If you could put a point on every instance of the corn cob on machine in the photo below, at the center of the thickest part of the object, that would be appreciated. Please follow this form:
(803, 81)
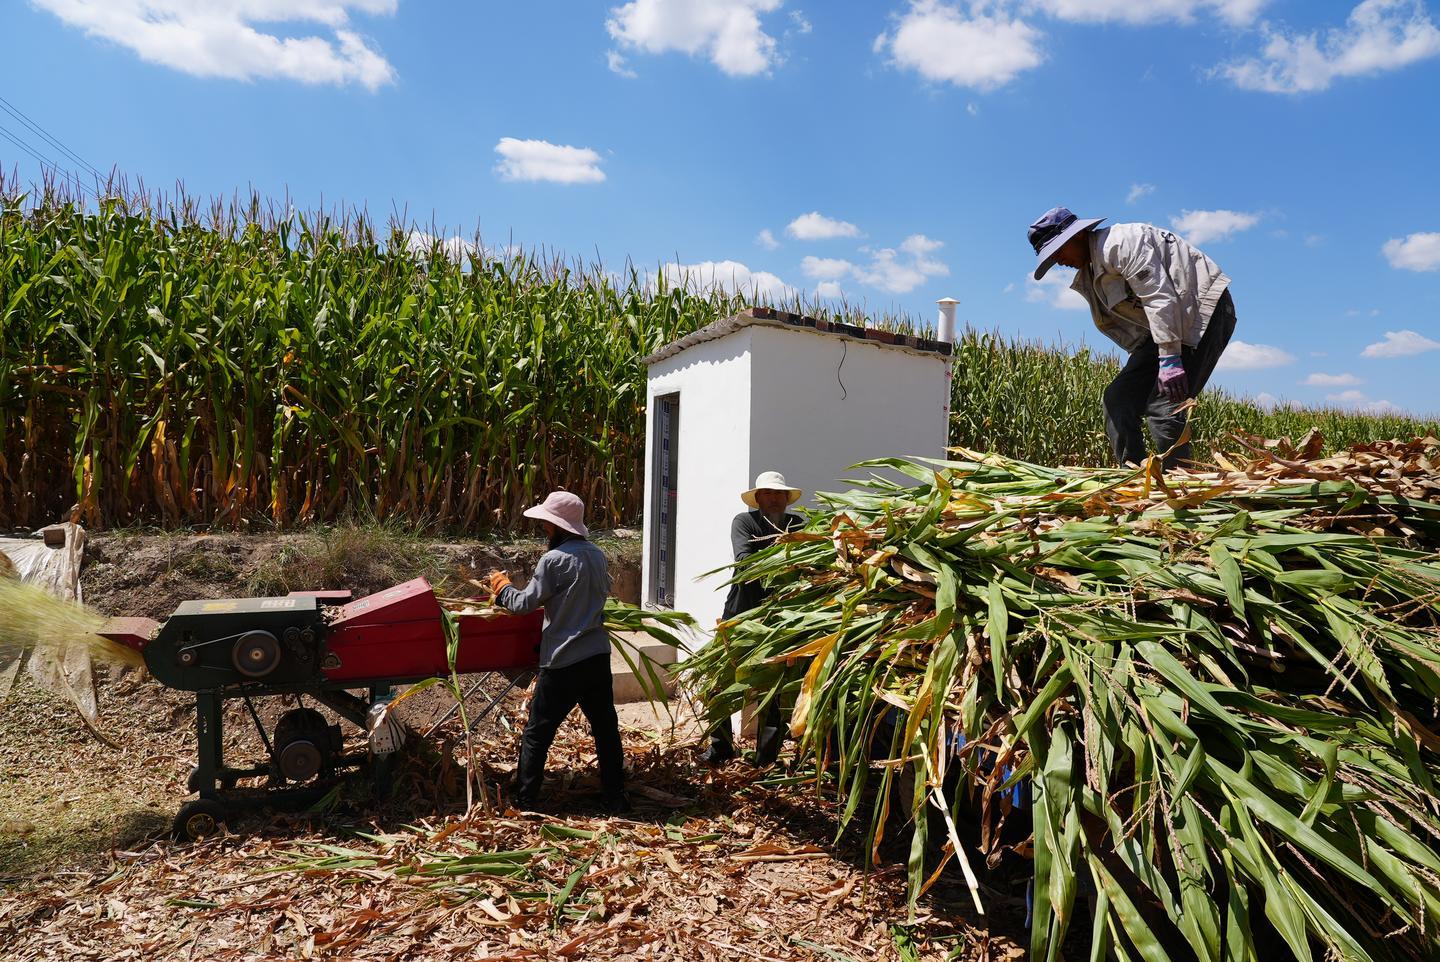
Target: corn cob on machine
(347, 655)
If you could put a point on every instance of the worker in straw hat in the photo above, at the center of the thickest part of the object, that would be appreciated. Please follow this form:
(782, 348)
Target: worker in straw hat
(1160, 299)
(750, 532)
(571, 581)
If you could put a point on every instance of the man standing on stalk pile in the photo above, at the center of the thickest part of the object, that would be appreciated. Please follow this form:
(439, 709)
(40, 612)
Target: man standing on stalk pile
(752, 531)
(1158, 298)
(572, 581)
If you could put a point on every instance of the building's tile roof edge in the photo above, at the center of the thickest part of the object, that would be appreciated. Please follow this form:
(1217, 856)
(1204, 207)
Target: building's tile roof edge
(770, 317)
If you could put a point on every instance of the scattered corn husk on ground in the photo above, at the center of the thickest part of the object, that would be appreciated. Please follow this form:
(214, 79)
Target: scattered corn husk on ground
(33, 619)
(1217, 690)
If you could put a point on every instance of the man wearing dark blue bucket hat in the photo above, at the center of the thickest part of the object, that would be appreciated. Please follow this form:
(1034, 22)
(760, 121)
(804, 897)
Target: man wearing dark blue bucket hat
(1160, 299)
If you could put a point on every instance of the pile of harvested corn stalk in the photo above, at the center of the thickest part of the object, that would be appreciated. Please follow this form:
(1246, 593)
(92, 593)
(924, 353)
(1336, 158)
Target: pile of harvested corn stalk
(1217, 690)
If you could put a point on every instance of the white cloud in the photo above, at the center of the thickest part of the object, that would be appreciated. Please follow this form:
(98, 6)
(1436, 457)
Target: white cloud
(767, 240)
(732, 276)
(1332, 380)
(890, 271)
(1243, 356)
(825, 268)
(829, 289)
(1238, 12)
(945, 45)
(1418, 252)
(1379, 35)
(455, 248)
(1266, 401)
(1381, 407)
(897, 271)
(1054, 289)
(816, 226)
(1360, 401)
(798, 23)
(920, 245)
(1201, 226)
(458, 248)
(727, 32)
(1138, 191)
(615, 60)
(540, 160)
(219, 39)
(1347, 397)
(1401, 344)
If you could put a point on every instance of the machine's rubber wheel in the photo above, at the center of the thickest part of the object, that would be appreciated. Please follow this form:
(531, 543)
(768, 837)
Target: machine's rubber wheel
(197, 819)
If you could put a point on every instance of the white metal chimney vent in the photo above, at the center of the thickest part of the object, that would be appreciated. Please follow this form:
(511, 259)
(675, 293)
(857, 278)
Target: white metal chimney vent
(946, 326)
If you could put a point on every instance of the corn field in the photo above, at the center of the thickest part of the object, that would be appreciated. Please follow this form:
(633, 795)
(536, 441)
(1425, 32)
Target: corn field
(1030, 401)
(228, 365)
(162, 367)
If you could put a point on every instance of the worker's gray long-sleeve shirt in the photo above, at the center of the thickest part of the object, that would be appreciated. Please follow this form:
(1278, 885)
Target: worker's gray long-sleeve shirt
(1144, 283)
(571, 581)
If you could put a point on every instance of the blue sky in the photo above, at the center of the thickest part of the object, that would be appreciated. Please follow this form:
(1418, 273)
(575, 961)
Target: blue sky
(890, 151)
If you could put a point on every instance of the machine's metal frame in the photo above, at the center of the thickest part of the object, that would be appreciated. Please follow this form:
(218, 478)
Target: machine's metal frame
(245, 649)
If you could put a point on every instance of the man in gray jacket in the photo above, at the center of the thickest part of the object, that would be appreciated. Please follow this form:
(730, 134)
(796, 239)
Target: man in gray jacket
(1161, 300)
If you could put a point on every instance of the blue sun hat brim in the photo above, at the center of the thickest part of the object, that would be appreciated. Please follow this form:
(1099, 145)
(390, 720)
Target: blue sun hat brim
(1048, 234)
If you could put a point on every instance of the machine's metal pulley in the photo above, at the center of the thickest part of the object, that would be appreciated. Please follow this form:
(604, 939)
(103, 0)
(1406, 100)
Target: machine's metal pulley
(256, 654)
(304, 744)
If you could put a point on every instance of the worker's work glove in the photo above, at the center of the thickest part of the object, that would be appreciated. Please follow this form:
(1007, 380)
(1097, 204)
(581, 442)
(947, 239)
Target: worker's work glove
(497, 580)
(1172, 382)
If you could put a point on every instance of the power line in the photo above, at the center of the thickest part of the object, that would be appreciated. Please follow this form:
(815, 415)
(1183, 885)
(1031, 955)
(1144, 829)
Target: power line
(21, 144)
(21, 116)
(44, 160)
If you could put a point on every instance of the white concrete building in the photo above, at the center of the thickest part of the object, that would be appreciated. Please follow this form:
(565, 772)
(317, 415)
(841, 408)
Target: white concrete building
(767, 390)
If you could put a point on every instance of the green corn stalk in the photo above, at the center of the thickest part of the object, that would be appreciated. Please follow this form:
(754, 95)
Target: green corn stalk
(1219, 696)
(163, 361)
(451, 623)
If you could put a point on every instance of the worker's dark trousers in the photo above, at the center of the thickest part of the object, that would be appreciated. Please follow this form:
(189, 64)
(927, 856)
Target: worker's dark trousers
(769, 737)
(557, 690)
(1133, 393)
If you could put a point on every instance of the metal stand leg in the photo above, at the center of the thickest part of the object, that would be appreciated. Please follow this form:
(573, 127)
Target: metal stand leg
(209, 735)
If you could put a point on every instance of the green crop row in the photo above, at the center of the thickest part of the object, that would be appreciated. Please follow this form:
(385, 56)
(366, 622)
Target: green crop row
(161, 364)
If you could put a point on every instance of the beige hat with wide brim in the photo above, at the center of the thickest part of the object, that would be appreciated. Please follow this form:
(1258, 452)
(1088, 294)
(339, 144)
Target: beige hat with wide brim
(562, 509)
(771, 481)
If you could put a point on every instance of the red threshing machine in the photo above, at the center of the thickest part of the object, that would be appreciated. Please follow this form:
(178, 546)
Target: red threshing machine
(347, 655)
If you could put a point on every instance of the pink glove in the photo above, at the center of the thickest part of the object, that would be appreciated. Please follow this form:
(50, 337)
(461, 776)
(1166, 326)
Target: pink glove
(1172, 381)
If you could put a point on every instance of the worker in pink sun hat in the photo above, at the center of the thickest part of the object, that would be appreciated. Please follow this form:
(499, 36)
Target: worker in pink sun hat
(571, 581)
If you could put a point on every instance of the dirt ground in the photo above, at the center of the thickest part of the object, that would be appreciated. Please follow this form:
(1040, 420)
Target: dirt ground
(728, 864)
